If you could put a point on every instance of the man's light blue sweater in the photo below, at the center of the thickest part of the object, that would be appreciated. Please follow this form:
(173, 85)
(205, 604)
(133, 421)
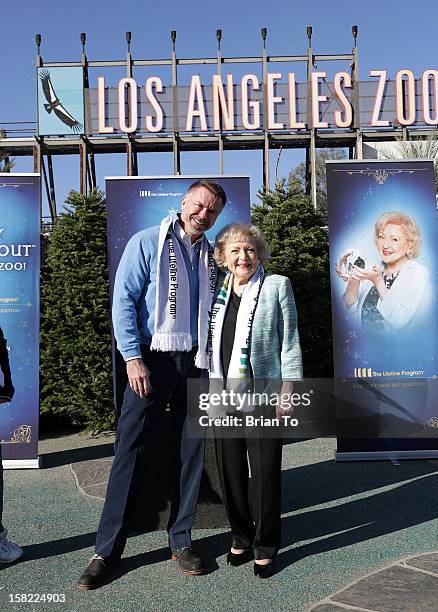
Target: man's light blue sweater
(134, 294)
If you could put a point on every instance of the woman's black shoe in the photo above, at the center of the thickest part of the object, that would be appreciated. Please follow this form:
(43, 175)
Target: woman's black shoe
(239, 559)
(264, 571)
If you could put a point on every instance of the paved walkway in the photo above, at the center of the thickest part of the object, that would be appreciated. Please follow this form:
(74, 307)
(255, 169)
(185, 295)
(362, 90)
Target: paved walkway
(355, 536)
(408, 586)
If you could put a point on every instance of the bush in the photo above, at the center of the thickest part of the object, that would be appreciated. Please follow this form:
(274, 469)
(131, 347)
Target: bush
(298, 240)
(76, 372)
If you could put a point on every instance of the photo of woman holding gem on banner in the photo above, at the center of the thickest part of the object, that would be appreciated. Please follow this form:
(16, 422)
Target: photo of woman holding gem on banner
(394, 295)
(383, 228)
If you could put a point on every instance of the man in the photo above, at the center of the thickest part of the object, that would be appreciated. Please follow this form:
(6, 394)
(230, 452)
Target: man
(9, 552)
(162, 296)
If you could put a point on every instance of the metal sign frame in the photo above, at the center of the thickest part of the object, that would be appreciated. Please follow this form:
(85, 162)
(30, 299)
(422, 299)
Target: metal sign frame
(43, 148)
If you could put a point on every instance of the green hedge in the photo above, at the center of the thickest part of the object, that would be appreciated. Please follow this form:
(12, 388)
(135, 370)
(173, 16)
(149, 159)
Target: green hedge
(298, 240)
(76, 380)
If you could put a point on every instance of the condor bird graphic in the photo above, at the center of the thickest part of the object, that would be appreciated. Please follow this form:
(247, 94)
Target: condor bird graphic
(54, 104)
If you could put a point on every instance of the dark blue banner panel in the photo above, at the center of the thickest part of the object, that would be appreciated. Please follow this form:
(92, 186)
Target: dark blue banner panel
(136, 203)
(19, 313)
(383, 227)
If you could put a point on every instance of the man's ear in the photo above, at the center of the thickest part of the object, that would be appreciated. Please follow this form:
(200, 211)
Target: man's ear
(183, 201)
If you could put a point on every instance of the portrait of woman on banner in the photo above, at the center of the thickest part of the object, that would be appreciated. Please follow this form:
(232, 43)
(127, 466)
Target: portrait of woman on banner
(395, 295)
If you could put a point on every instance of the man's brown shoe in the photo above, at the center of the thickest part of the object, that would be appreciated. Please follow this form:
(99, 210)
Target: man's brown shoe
(189, 561)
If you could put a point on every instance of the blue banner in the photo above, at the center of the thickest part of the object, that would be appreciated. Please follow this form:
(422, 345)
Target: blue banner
(383, 227)
(136, 203)
(19, 312)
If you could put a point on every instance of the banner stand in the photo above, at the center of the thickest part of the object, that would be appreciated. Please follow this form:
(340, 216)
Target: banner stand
(21, 464)
(20, 225)
(385, 455)
(135, 203)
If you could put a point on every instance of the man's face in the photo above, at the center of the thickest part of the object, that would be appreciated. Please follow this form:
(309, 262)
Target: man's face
(200, 209)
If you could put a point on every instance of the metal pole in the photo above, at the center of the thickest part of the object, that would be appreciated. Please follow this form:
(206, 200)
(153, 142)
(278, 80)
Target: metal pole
(131, 157)
(359, 144)
(175, 144)
(83, 162)
(52, 199)
(84, 60)
(48, 194)
(83, 168)
(313, 168)
(219, 71)
(307, 182)
(309, 77)
(92, 171)
(311, 152)
(266, 182)
(37, 169)
(128, 55)
(39, 61)
(356, 95)
(128, 156)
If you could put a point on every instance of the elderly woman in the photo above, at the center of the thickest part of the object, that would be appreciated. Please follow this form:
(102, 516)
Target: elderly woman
(253, 336)
(397, 293)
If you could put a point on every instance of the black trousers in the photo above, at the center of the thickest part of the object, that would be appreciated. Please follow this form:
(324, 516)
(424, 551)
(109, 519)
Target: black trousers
(260, 528)
(139, 421)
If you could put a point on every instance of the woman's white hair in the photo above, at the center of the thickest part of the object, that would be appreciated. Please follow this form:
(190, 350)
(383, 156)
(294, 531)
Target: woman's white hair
(409, 227)
(235, 232)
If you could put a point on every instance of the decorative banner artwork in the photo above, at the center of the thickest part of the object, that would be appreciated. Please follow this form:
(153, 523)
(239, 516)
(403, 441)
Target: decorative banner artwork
(135, 203)
(19, 318)
(60, 101)
(383, 226)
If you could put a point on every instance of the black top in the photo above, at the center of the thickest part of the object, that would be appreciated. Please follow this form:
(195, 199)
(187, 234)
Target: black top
(228, 331)
(370, 316)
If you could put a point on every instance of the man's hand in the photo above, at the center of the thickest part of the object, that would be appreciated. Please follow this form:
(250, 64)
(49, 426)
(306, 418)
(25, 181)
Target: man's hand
(138, 377)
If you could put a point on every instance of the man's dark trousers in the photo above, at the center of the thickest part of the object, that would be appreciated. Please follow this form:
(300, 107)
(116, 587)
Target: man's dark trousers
(139, 421)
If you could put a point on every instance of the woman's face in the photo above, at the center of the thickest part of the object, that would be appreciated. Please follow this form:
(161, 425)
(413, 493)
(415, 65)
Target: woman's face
(393, 244)
(241, 258)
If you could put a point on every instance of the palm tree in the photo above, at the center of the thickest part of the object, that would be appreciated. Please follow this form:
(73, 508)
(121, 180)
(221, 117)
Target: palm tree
(6, 164)
(426, 148)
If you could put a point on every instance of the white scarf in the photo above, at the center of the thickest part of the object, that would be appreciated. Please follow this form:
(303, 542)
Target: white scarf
(239, 367)
(172, 302)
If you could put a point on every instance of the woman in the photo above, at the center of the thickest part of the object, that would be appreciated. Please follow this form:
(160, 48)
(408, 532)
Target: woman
(253, 335)
(397, 294)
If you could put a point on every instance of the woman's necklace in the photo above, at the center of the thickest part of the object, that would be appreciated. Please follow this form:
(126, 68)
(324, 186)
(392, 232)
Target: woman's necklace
(389, 277)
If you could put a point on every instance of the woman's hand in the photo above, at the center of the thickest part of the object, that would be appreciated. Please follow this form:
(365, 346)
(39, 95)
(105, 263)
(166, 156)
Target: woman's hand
(373, 274)
(284, 406)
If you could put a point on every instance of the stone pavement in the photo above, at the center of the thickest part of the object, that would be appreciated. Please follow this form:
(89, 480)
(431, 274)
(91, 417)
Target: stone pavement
(411, 585)
(355, 536)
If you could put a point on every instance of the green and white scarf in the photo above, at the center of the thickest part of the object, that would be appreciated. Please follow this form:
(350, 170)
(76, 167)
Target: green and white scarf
(239, 367)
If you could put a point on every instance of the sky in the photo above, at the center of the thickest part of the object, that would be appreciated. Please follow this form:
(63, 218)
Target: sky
(393, 34)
